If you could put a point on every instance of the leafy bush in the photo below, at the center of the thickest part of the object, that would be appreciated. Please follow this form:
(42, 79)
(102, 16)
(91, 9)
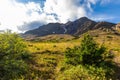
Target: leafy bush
(88, 53)
(81, 72)
(72, 56)
(96, 59)
(13, 56)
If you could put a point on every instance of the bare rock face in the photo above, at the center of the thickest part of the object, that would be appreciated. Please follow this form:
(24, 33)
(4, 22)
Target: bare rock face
(118, 27)
(104, 25)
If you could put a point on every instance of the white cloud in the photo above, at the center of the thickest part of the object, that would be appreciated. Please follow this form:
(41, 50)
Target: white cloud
(64, 9)
(13, 13)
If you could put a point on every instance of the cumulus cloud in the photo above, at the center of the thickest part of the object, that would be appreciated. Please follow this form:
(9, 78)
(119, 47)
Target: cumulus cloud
(13, 14)
(64, 9)
(19, 16)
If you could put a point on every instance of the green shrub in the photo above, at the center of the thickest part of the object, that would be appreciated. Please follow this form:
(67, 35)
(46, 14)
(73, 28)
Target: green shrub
(81, 72)
(72, 56)
(13, 56)
(88, 53)
(96, 59)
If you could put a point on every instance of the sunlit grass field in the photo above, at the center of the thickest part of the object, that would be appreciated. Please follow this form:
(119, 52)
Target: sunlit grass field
(109, 40)
(38, 47)
(49, 56)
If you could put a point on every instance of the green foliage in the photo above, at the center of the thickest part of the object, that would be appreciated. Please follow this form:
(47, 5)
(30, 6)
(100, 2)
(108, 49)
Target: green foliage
(81, 72)
(90, 50)
(13, 56)
(95, 61)
(89, 53)
(72, 56)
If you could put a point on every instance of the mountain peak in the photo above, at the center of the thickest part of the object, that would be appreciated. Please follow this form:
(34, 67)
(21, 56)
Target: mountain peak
(83, 18)
(68, 23)
(76, 27)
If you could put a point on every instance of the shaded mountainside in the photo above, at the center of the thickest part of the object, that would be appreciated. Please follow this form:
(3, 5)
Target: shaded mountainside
(77, 27)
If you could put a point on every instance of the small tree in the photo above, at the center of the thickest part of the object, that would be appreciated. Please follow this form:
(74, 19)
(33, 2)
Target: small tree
(92, 58)
(12, 56)
(89, 53)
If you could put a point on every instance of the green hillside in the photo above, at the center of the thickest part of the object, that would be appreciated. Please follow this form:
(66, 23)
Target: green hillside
(46, 58)
(49, 53)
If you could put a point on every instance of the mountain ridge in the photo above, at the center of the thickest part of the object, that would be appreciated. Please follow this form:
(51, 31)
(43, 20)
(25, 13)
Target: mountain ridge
(76, 27)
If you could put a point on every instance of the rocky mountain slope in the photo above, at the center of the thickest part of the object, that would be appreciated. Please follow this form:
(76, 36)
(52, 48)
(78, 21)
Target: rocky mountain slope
(76, 27)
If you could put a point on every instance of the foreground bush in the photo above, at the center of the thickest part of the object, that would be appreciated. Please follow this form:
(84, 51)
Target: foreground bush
(13, 56)
(92, 61)
(81, 72)
(88, 53)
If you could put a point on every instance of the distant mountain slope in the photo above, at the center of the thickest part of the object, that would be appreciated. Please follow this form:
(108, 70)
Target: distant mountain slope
(51, 28)
(76, 27)
(80, 26)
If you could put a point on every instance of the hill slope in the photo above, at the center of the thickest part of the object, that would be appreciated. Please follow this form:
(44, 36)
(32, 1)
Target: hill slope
(76, 27)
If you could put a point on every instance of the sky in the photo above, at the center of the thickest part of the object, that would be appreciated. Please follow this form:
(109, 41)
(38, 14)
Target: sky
(23, 15)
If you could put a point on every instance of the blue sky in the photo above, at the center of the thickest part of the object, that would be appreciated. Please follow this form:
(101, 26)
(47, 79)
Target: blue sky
(23, 15)
(111, 10)
(106, 8)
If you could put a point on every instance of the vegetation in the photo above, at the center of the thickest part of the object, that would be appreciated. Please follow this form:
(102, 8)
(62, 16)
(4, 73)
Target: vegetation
(81, 72)
(82, 58)
(93, 60)
(87, 50)
(13, 55)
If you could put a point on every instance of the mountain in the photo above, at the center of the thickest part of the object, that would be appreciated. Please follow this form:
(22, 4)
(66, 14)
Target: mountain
(76, 27)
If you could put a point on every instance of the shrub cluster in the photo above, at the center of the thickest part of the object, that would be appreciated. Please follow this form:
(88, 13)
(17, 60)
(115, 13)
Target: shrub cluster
(92, 58)
(13, 56)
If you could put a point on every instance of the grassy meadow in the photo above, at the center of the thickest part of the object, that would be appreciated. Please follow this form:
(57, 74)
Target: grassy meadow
(49, 56)
(45, 58)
